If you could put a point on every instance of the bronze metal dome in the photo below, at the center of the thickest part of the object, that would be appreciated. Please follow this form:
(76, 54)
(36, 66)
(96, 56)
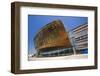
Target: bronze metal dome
(52, 36)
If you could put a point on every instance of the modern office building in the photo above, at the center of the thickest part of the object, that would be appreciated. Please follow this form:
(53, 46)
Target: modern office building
(79, 38)
(52, 40)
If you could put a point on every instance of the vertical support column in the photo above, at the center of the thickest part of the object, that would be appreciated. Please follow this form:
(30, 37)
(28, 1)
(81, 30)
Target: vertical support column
(37, 54)
(58, 52)
(74, 50)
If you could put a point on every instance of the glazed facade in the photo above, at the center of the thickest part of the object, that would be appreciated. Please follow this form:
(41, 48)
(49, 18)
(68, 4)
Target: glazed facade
(79, 38)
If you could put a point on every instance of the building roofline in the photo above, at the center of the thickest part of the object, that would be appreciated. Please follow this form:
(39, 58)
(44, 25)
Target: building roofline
(45, 27)
(78, 26)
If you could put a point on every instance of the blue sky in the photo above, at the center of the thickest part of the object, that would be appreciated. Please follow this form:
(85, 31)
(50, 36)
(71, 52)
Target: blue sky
(35, 22)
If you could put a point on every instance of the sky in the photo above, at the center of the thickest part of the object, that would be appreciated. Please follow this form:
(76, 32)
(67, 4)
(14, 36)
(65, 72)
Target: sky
(36, 22)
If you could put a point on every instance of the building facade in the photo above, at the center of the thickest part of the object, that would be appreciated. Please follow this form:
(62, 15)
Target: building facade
(79, 39)
(53, 40)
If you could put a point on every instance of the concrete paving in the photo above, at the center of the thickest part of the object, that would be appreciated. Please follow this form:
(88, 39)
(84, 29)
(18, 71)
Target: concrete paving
(77, 56)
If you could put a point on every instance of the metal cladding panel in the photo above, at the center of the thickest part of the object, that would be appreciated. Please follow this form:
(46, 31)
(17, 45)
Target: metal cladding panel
(52, 35)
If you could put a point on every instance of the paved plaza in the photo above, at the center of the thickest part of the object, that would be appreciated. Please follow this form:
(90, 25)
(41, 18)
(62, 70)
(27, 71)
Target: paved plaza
(77, 56)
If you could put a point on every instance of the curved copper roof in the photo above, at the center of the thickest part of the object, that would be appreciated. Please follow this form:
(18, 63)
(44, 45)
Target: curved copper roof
(52, 35)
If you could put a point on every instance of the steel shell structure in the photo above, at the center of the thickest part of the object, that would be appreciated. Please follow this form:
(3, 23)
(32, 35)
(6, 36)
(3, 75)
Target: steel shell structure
(52, 40)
